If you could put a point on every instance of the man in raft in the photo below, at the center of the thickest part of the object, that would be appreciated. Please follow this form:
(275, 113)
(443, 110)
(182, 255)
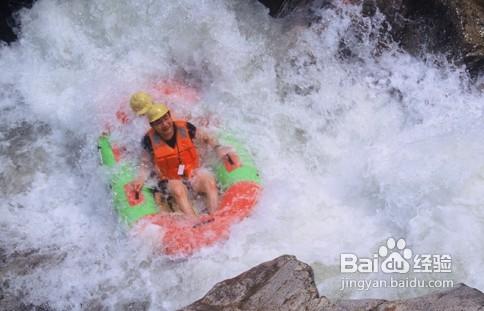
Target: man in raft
(170, 146)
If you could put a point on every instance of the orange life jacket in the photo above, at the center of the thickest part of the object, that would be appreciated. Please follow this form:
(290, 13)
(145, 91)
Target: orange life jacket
(168, 159)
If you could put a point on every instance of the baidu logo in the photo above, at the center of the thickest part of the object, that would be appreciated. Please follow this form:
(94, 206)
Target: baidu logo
(395, 257)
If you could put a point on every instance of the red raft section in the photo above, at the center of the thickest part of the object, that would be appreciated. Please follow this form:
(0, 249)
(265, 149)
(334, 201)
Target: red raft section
(183, 237)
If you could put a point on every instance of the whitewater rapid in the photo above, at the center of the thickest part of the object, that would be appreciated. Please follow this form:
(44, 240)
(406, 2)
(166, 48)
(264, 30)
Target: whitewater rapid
(352, 150)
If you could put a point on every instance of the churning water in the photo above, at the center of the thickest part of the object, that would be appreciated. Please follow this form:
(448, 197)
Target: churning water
(356, 142)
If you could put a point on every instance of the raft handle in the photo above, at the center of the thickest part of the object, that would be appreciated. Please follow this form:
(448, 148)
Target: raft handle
(230, 159)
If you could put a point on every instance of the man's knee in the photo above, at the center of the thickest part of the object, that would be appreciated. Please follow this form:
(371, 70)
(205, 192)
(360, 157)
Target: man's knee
(207, 181)
(211, 183)
(177, 189)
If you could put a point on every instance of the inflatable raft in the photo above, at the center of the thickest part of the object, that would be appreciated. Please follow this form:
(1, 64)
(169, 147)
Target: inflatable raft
(239, 182)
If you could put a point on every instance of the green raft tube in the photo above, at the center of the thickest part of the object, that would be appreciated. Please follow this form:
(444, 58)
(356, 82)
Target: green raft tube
(239, 181)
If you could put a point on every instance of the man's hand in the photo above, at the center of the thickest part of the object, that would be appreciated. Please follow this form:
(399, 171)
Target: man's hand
(138, 184)
(224, 153)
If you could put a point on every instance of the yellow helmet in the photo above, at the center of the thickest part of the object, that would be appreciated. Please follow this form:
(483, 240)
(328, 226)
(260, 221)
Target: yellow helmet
(156, 111)
(141, 102)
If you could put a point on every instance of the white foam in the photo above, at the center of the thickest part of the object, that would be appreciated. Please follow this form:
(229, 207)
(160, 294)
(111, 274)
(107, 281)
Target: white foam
(351, 151)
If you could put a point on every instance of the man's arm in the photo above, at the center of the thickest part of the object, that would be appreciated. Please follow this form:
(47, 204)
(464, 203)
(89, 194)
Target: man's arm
(206, 138)
(144, 171)
(222, 152)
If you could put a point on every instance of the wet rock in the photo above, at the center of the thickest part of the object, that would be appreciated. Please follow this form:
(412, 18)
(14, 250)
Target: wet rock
(280, 8)
(12, 304)
(8, 8)
(454, 28)
(357, 304)
(13, 301)
(25, 261)
(136, 306)
(288, 284)
(460, 297)
(281, 284)
(100, 305)
(22, 153)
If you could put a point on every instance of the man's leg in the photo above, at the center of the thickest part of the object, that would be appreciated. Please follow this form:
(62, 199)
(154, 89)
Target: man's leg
(204, 182)
(179, 192)
(164, 209)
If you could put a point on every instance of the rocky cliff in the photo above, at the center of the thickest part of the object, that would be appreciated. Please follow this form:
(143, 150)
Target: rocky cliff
(286, 283)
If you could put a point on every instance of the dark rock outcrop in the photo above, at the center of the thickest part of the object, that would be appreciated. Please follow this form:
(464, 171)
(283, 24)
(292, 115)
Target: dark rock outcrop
(7, 20)
(288, 284)
(21, 263)
(460, 298)
(281, 284)
(280, 8)
(451, 27)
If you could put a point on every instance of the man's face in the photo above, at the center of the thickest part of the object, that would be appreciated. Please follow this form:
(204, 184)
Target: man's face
(164, 126)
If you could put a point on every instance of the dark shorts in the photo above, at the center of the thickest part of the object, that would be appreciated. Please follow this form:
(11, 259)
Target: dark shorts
(163, 188)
